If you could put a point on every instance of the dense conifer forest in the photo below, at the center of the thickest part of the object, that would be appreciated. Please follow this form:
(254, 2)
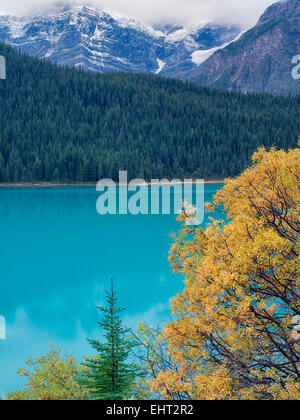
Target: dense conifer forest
(62, 124)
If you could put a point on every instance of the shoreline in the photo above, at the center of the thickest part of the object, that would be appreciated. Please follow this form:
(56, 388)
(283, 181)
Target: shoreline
(83, 184)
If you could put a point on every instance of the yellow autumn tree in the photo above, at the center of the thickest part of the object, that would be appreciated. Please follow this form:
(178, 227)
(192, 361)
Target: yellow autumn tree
(50, 377)
(233, 334)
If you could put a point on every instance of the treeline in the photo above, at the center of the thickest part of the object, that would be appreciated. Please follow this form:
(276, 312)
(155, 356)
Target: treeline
(61, 124)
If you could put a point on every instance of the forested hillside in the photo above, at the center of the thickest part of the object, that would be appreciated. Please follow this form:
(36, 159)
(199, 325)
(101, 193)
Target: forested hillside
(59, 124)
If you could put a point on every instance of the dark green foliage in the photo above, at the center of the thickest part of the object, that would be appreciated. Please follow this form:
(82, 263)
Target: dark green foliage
(109, 375)
(59, 124)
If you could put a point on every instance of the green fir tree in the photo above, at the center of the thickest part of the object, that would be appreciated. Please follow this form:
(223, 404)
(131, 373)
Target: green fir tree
(59, 124)
(110, 375)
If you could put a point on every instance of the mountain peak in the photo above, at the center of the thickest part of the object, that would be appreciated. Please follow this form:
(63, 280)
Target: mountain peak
(284, 8)
(99, 40)
(261, 59)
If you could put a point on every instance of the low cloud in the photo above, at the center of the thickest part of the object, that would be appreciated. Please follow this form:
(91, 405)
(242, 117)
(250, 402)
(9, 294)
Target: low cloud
(188, 12)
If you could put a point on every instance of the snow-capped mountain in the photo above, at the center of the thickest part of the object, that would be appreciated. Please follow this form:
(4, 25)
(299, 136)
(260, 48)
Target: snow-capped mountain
(99, 41)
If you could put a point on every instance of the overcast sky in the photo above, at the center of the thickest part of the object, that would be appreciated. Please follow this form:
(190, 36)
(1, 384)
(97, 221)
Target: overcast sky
(175, 11)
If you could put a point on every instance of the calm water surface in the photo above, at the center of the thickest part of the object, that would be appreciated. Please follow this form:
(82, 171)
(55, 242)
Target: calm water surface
(57, 256)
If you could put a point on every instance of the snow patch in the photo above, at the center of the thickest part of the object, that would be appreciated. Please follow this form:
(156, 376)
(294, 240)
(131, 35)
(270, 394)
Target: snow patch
(178, 36)
(198, 57)
(161, 65)
(139, 26)
(16, 26)
(99, 34)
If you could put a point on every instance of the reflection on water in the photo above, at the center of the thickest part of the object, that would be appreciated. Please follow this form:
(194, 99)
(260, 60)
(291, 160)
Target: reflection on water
(57, 256)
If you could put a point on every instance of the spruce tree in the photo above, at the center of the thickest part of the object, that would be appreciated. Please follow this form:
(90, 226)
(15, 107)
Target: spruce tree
(58, 124)
(110, 375)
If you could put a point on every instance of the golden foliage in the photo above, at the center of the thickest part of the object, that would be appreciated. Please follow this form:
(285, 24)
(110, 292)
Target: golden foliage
(232, 334)
(50, 377)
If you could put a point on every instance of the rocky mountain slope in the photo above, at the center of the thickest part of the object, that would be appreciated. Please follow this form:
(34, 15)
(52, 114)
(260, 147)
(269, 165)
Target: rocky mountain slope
(261, 59)
(98, 41)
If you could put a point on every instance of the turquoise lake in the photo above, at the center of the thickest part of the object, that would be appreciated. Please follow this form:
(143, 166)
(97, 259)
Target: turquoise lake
(57, 257)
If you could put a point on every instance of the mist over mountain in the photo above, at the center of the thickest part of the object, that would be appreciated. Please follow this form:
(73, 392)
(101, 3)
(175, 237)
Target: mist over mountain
(168, 12)
(261, 59)
(220, 55)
